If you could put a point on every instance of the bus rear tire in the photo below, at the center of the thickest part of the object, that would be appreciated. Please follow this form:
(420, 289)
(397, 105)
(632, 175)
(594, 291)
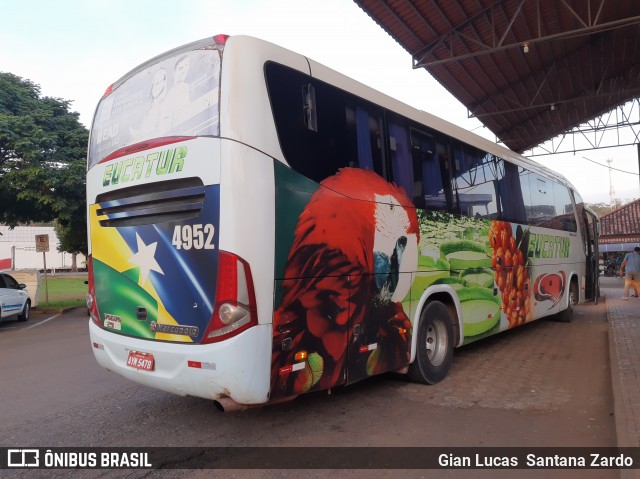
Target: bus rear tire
(567, 315)
(434, 350)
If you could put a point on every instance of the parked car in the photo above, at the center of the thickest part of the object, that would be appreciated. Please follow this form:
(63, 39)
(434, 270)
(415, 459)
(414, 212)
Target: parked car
(14, 300)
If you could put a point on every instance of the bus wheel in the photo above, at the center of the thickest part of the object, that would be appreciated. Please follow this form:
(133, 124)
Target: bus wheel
(434, 351)
(567, 315)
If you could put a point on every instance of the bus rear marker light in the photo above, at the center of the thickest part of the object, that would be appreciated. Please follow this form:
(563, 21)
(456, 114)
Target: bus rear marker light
(368, 347)
(201, 365)
(291, 368)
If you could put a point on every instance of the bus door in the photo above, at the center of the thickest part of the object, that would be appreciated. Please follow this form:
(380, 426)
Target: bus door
(592, 273)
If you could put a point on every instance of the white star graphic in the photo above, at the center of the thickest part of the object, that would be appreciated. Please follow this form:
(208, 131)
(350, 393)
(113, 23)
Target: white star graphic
(145, 259)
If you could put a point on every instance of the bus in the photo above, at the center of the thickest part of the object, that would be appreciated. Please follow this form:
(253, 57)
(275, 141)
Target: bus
(261, 226)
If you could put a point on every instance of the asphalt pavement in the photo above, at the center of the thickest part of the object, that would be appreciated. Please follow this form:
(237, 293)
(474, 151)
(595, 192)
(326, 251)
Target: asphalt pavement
(528, 390)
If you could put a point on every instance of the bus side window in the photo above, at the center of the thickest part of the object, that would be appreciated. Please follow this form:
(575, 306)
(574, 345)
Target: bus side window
(512, 193)
(541, 207)
(310, 122)
(400, 154)
(475, 181)
(427, 180)
(421, 153)
(551, 205)
(579, 208)
(364, 124)
(431, 172)
(566, 219)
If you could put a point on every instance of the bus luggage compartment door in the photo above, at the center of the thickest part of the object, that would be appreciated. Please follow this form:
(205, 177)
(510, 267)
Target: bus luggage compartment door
(380, 331)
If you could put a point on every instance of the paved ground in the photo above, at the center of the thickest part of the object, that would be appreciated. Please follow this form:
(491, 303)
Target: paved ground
(624, 347)
(546, 383)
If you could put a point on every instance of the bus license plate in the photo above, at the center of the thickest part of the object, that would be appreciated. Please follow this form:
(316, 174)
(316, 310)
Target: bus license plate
(143, 361)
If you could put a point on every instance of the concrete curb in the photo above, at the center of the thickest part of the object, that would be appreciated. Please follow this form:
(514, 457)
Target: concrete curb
(38, 311)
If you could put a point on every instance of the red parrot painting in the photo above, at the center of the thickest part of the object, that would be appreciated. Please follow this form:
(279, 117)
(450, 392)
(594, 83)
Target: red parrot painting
(341, 317)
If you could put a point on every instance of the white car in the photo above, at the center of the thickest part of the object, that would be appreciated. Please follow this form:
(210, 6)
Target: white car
(14, 300)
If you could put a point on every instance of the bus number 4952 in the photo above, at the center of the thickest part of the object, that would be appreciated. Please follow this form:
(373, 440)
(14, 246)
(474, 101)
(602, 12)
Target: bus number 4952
(193, 236)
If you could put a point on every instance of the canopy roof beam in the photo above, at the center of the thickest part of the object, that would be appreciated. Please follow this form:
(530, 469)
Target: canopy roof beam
(459, 46)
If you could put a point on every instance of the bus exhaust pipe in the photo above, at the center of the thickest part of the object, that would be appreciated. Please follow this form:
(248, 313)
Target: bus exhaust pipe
(226, 404)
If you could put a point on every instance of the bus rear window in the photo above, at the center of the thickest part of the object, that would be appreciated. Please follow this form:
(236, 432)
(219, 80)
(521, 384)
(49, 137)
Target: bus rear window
(176, 96)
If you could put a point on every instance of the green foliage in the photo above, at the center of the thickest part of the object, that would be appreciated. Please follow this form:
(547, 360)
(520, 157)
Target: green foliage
(42, 161)
(64, 291)
(603, 208)
(72, 235)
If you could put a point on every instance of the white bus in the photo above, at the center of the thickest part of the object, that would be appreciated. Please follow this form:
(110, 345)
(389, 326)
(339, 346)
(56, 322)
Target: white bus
(261, 226)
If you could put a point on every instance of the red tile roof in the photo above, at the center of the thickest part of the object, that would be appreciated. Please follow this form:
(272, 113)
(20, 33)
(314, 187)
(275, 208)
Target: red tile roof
(621, 225)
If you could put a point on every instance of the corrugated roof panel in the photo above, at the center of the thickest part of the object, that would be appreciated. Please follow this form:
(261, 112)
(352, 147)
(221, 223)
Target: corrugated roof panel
(583, 75)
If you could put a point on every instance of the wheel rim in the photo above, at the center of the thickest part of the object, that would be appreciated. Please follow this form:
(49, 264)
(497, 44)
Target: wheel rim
(436, 342)
(572, 297)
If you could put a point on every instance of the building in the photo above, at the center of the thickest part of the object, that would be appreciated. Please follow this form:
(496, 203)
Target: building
(18, 250)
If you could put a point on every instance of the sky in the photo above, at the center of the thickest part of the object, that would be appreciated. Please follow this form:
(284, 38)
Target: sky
(74, 49)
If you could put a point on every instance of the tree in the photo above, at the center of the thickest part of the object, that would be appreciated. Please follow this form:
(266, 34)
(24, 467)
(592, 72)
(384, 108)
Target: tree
(43, 149)
(603, 208)
(72, 239)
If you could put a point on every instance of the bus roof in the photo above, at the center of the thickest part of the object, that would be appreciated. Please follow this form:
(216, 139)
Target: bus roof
(328, 75)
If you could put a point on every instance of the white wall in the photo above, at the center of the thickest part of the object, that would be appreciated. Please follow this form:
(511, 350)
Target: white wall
(20, 245)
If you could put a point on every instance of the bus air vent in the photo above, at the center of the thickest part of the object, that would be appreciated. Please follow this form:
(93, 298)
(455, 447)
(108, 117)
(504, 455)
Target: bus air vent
(172, 200)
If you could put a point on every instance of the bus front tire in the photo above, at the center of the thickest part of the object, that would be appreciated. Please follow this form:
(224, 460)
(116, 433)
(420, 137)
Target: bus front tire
(567, 315)
(434, 350)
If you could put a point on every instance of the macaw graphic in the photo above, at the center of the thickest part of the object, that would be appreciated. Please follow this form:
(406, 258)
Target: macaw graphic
(550, 287)
(341, 304)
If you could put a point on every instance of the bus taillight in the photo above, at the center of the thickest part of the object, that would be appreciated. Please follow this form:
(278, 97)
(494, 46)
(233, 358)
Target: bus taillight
(92, 305)
(235, 307)
(108, 90)
(220, 39)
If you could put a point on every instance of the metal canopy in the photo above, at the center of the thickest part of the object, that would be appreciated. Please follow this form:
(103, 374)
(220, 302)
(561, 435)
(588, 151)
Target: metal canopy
(530, 70)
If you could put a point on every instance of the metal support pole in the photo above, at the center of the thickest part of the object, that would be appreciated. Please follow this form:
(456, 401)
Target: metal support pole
(46, 284)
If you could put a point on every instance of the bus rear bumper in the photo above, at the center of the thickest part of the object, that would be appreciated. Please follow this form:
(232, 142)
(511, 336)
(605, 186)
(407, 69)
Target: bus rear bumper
(237, 368)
